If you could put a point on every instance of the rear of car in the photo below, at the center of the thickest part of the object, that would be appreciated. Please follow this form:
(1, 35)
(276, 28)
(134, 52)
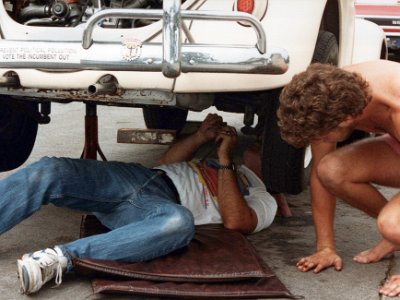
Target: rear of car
(169, 57)
(54, 47)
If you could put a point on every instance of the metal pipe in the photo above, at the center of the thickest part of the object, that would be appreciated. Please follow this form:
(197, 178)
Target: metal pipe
(184, 14)
(122, 13)
(231, 16)
(189, 36)
(172, 39)
(102, 88)
(9, 81)
(35, 11)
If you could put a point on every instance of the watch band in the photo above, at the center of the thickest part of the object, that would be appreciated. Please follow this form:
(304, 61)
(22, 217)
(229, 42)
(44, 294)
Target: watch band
(226, 167)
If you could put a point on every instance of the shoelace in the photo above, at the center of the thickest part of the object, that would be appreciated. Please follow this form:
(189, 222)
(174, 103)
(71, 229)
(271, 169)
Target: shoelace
(46, 260)
(58, 279)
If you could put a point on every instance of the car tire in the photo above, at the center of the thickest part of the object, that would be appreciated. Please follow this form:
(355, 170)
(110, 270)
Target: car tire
(283, 166)
(18, 133)
(165, 118)
(326, 50)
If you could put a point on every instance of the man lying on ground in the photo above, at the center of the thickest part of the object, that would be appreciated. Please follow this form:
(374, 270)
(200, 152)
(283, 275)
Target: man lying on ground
(150, 212)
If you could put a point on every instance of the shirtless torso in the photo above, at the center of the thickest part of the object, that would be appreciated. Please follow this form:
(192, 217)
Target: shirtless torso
(347, 173)
(383, 112)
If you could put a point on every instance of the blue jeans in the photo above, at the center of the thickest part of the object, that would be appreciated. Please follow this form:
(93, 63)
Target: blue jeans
(131, 200)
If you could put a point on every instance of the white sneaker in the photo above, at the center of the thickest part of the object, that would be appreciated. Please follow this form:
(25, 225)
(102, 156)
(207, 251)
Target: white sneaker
(35, 269)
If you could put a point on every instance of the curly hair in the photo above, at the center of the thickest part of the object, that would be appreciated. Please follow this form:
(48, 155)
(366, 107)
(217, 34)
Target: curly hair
(317, 101)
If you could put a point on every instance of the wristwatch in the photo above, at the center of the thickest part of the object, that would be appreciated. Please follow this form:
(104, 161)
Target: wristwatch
(227, 167)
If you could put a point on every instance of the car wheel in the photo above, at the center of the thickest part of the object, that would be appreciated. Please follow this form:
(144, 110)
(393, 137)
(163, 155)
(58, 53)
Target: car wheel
(17, 134)
(165, 118)
(327, 49)
(283, 166)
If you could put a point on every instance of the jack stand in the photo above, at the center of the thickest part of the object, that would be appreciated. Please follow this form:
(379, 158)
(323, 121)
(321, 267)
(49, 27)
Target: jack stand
(92, 146)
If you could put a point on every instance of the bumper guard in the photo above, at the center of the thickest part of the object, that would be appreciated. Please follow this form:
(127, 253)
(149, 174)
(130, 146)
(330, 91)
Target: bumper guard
(171, 57)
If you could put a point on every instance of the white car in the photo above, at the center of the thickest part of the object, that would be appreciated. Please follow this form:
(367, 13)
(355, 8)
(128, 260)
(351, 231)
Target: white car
(385, 13)
(169, 57)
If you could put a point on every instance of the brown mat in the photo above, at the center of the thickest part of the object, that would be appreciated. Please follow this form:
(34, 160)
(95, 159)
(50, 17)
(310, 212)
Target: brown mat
(218, 263)
(261, 288)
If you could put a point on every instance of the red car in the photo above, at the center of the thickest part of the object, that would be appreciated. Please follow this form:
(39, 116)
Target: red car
(385, 13)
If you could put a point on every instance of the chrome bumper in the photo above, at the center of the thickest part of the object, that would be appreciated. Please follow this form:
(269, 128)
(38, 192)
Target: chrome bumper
(171, 57)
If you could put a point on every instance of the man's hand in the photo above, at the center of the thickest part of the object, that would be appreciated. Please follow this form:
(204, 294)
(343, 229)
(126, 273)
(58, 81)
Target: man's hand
(226, 139)
(320, 260)
(209, 127)
(184, 149)
(235, 212)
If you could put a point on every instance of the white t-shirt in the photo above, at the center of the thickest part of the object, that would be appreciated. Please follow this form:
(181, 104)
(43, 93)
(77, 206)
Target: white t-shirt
(196, 197)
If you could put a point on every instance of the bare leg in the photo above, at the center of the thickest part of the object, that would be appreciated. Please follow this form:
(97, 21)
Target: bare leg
(389, 226)
(252, 158)
(283, 207)
(348, 173)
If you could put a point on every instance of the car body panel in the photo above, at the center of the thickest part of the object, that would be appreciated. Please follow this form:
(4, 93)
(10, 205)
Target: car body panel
(290, 26)
(386, 14)
(365, 50)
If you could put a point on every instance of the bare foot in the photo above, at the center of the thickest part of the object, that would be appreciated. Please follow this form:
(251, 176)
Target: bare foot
(375, 254)
(391, 287)
(320, 260)
(283, 207)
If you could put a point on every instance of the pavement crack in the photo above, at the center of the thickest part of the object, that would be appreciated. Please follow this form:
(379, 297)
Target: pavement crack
(391, 265)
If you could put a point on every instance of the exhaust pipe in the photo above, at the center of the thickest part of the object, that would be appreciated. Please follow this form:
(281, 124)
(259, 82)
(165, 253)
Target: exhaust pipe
(102, 88)
(9, 80)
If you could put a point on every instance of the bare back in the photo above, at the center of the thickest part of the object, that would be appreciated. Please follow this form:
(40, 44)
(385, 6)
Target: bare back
(383, 112)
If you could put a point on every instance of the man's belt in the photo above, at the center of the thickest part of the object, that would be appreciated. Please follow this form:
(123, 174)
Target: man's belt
(163, 175)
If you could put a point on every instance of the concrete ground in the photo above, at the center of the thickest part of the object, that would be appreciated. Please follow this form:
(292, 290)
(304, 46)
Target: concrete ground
(280, 246)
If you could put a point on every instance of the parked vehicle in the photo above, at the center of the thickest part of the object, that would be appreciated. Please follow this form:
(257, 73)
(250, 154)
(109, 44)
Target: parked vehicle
(385, 13)
(169, 57)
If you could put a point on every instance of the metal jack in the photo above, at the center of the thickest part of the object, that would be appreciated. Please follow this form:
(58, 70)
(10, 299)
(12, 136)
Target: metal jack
(92, 146)
(248, 121)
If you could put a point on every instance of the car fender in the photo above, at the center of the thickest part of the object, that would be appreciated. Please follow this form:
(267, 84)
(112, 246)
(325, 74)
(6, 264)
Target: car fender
(368, 41)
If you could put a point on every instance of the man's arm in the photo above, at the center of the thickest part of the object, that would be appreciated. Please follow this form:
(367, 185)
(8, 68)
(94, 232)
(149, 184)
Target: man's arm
(184, 149)
(235, 212)
(323, 206)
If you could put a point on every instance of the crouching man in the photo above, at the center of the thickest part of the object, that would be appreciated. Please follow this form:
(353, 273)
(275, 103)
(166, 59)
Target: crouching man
(322, 106)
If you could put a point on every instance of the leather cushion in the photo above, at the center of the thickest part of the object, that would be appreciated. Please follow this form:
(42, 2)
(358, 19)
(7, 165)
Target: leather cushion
(218, 263)
(270, 287)
(215, 254)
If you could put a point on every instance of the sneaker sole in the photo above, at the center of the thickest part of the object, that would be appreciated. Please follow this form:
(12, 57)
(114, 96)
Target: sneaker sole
(26, 278)
(22, 276)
